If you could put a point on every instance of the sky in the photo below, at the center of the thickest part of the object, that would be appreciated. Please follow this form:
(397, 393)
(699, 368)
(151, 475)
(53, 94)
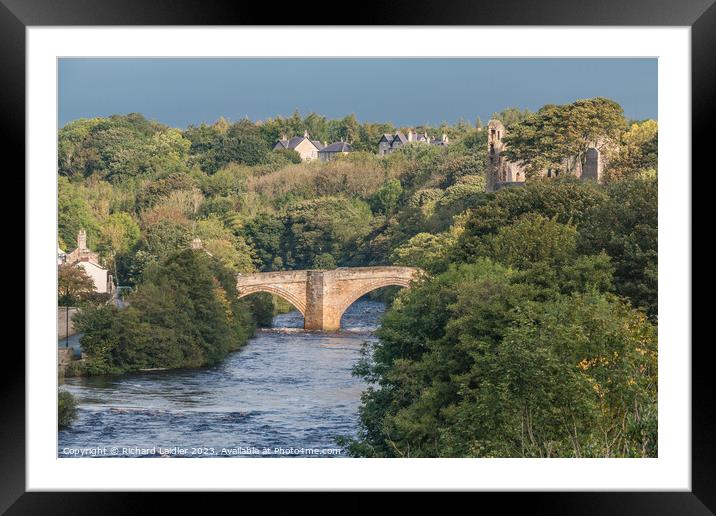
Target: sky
(183, 91)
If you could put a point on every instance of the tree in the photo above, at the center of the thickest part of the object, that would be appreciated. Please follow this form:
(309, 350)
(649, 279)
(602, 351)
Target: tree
(325, 225)
(242, 143)
(511, 116)
(66, 409)
(74, 213)
(625, 227)
(530, 239)
(165, 237)
(73, 285)
(565, 200)
(324, 262)
(386, 198)
(637, 152)
(119, 234)
(184, 313)
(426, 251)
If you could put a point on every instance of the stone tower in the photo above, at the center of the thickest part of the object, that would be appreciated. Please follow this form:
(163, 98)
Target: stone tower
(499, 170)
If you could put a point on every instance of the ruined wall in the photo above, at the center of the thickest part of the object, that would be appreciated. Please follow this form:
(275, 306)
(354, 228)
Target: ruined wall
(593, 165)
(502, 173)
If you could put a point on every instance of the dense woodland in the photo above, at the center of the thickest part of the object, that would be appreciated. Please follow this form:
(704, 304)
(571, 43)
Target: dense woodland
(532, 334)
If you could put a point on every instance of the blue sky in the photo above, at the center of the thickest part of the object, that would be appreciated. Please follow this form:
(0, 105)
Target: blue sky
(179, 92)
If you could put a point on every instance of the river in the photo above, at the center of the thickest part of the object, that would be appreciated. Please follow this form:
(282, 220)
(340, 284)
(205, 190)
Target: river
(288, 392)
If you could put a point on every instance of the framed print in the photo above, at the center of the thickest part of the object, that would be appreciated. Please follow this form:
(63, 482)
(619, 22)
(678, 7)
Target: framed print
(428, 251)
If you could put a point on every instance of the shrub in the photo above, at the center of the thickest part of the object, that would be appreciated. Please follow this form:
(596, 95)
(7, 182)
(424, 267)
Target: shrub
(66, 409)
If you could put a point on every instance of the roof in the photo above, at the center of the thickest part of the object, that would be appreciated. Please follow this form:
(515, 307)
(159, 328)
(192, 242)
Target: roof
(387, 137)
(295, 142)
(400, 136)
(338, 147)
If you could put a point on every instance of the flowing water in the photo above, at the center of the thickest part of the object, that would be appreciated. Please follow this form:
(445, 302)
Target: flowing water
(288, 392)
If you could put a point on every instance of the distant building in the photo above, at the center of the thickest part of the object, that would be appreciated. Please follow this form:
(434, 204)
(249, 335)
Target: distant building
(501, 172)
(308, 149)
(391, 142)
(88, 260)
(335, 149)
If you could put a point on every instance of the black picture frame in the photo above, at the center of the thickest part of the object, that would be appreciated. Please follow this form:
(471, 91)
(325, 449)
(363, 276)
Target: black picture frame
(700, 15)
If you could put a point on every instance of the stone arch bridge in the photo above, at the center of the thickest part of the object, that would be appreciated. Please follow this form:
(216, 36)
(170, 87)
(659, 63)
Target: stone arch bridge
(323, 296)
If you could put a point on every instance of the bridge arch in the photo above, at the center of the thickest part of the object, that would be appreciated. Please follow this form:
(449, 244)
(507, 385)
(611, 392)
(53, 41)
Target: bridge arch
(358, 293)
(299, 304)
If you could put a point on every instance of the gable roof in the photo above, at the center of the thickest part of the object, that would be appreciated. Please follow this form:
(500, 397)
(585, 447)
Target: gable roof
(401, 137)
(295, 142)
(338, 147)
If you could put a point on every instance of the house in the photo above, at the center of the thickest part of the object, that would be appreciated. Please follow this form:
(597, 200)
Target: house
(335, 149)
(391, 142)
(88, 260)
(306, 148)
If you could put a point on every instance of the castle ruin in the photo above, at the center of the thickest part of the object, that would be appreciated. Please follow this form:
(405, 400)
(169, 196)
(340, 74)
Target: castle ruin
(501, 172)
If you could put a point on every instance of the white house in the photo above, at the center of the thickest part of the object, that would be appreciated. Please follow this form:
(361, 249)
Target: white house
(308, 149)
(89, 261)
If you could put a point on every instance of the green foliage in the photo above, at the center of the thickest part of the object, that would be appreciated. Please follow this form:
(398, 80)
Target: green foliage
(530, 239)
(426, 251)
(242, 143)
(185, 313)
(325, 225)
(165, 237)
(625, 226)
(469, 364)
(555, 134)
(120, 147)
(73, 285)
(386, 198)
(565, 200)
(324, 262)
(512, 116)
(74, 213)
(637, 153)
(66, 409)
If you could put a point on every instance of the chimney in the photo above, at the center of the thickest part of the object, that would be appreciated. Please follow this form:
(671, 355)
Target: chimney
(445, 138)
(82, 240)
(305, 133)
(410, 135)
